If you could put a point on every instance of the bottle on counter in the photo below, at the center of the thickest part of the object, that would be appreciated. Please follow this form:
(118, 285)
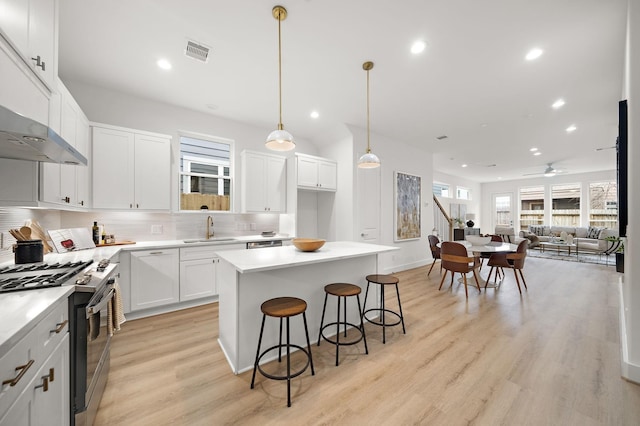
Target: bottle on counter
(104, 235)
(95, 231)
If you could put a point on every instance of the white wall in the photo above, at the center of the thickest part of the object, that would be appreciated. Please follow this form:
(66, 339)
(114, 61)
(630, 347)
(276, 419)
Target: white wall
(473, 205)
(630, 288)
(513, 187)
(401, 157)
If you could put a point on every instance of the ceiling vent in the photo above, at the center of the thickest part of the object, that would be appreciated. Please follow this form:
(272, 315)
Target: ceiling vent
(197, 51)
(442, 137)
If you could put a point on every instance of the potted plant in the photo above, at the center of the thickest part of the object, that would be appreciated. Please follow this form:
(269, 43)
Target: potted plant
(459, 222)
(617, 244)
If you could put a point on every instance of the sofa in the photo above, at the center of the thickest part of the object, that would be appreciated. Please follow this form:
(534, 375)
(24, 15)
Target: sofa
(591, 239)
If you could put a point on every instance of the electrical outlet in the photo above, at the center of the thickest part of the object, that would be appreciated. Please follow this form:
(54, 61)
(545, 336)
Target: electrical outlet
(156, 229)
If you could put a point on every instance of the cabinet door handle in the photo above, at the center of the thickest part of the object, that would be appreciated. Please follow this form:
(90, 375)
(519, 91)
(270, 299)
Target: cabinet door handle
(23, 369)
(156, 252)
(59, 327)
(44, 385)
(39, 62)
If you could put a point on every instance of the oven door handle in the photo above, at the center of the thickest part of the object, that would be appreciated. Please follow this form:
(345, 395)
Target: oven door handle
(94, 309)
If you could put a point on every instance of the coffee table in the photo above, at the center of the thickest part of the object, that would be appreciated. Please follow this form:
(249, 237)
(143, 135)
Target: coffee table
(559, 245)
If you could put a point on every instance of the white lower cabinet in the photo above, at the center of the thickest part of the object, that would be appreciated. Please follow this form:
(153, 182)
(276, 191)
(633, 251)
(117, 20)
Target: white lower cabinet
(198, 270)
(154, 278)
(39, 367)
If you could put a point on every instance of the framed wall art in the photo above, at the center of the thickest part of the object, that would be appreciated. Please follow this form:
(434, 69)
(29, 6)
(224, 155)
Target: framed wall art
(407, 213)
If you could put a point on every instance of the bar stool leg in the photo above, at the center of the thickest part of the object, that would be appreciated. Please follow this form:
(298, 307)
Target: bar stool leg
(400, 308)
(384, 327)
(338, 330)
(344, 300)
(366, 293)
(324, 307)
(255, 364)
(280, 342)
(306, 332)
(364, 337)
(288, 365)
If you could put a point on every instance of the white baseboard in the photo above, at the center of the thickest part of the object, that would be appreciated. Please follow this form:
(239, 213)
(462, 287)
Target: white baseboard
(403, 267)
(629, 371)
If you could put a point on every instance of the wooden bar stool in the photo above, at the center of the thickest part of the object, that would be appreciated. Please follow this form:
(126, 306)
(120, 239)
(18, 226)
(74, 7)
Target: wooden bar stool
(342, 291)
(283, 308)
(383, 281)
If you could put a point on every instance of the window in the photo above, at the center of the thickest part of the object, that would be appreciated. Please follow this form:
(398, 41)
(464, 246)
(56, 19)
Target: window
(441, 189)
(463, 193)
(205, 173)
(603, 204)
(565, 208)
(531, 207)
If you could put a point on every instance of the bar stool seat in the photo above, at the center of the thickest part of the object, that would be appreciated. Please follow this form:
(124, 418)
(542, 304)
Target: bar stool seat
(283, 308)
(384, 280)
(342, 291)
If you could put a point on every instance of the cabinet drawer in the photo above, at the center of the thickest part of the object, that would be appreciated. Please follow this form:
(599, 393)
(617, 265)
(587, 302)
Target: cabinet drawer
(194, 253)
(21, 355)
(51, 330)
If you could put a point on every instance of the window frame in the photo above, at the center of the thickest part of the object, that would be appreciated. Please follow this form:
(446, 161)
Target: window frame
(441, 185)
(463, 188)
(232, 167)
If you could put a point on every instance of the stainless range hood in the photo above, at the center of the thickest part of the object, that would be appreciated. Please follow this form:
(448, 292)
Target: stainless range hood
(24, 139)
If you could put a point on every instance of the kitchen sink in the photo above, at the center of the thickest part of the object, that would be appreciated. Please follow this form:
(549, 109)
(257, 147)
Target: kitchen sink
(210, 240)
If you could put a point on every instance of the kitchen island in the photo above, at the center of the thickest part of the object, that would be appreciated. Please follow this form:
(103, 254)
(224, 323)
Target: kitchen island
(246, 278)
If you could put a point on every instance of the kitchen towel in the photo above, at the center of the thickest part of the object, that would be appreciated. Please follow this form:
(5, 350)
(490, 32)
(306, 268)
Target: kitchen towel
(115, 311)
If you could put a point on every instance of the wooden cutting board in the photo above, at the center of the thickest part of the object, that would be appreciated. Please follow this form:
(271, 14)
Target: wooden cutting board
(117, 243)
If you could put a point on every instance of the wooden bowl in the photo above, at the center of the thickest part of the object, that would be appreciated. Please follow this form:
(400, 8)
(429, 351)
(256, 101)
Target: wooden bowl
(308, 244)
(477, 240)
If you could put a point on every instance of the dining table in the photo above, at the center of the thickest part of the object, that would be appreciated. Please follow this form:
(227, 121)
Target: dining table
(489, 248)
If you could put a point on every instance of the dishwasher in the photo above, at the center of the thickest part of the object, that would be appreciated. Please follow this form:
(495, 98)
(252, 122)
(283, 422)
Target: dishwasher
(263, 244)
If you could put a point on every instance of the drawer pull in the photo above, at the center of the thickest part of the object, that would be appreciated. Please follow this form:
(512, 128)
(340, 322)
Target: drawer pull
(23, 369)
(59, 327)
(45, 384)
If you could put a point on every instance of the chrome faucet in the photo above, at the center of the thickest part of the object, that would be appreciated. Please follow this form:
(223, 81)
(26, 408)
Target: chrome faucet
(209, 227)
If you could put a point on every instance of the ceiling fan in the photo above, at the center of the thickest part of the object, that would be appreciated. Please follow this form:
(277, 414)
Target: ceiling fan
(548, 172)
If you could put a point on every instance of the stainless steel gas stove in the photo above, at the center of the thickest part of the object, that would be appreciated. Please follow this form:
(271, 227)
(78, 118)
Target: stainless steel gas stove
(40, 275)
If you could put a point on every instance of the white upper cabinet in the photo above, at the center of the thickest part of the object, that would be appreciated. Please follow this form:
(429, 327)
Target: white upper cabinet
(30, 27)
(131, 169)
(65, 184)
(264, 182)
(315, 173)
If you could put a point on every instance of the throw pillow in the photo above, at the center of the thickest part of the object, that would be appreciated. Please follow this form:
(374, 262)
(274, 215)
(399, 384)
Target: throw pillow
(536, 229)
(593, 232)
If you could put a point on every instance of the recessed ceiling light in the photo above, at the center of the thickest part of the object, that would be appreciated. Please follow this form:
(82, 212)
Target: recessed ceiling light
(533, 54)
(484, 125)
(537, 153)
(557, 104)
(533, 149)
(499, 177)
(164, 64)
(418, 47)
(314, 114)
(464, 165)
(571, 128)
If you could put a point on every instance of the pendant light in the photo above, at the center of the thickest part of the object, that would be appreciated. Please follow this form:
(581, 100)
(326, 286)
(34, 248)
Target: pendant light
(280, 139)
(368, 160)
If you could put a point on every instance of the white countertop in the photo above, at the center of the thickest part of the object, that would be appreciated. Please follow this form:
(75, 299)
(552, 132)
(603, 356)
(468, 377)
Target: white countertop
(22, 310)
(264, 259)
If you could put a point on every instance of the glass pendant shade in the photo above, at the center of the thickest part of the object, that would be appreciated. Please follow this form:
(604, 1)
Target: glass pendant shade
(280, 140)
(369, 161)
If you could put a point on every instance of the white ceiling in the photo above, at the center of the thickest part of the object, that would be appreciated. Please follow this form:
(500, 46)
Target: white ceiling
(472, 82)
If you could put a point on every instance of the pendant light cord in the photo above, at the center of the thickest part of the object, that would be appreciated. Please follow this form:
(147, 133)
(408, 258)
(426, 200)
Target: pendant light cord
(280, 127)
(368, 131)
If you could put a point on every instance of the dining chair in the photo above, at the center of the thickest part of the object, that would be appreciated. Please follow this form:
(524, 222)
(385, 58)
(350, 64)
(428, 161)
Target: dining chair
(455, 258)
(483, 256)
(435, 251)
(513, 261)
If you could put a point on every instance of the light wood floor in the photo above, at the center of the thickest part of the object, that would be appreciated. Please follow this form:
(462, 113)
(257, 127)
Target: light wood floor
(548, 357)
